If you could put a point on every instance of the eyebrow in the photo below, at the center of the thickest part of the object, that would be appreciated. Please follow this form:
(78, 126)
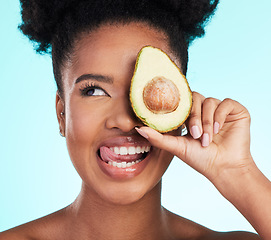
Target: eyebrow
(97, 77)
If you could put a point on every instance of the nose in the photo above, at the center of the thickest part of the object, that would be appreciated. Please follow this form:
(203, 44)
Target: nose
(122, 116)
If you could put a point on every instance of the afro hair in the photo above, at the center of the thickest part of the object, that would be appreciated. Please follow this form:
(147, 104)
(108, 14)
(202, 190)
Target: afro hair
(53, 25)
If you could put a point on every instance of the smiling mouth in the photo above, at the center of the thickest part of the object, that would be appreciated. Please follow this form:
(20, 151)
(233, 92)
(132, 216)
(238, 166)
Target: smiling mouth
(123, 157)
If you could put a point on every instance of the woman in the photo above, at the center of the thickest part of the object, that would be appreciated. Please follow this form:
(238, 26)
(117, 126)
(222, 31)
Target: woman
(94, 48)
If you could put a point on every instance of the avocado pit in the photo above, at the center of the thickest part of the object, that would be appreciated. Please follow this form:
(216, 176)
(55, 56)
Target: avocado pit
(161, 95)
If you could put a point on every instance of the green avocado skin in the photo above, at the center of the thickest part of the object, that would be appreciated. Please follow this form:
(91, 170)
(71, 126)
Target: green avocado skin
(152, 62)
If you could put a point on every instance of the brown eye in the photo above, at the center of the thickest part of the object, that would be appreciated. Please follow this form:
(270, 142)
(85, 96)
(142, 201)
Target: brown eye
(93, 91)
(96, 92)
(90, 92)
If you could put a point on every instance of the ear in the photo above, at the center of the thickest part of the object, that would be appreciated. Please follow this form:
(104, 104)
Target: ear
(60, 113)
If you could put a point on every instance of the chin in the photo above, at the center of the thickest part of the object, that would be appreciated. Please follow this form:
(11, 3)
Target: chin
(125, 194)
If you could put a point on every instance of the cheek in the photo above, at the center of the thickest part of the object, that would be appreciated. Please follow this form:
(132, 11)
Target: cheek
(166, 160)
(159, 164)
(165, 157)
(84, 125)
(83, 121)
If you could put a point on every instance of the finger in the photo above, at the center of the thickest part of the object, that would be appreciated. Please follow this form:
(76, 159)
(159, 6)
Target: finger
(172, 144)
(209, 107)
(229, 109)
(194, 121)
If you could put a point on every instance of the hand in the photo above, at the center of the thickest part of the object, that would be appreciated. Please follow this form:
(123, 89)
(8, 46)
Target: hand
(218, 139)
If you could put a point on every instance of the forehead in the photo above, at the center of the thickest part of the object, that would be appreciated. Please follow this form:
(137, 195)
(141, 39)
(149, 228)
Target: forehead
(114, 47)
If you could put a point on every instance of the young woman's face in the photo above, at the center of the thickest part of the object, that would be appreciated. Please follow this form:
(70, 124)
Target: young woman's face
(99, 122)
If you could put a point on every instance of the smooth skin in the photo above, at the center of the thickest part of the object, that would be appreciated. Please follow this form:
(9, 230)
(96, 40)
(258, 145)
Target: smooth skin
(225, 159)
(131, 209)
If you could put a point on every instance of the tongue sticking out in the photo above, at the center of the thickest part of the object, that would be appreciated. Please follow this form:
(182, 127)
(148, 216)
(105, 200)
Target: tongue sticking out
(108, 155)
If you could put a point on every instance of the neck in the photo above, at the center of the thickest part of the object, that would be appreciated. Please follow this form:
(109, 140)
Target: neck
(98, 219)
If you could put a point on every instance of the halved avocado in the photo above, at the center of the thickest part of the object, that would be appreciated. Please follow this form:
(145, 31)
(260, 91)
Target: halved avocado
(160, 95)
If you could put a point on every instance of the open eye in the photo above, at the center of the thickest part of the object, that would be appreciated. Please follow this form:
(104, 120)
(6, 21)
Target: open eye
(92, 90)
(95, 92)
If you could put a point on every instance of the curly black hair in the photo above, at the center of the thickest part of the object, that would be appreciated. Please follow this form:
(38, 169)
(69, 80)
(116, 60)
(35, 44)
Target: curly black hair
(54, 25)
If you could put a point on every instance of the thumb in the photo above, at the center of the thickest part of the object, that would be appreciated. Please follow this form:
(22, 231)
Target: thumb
(175, 145)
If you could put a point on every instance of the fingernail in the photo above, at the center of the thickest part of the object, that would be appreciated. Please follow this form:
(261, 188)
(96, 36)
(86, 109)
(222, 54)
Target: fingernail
(195, 131)
(216, 128)
(205, 140)
(142, 133)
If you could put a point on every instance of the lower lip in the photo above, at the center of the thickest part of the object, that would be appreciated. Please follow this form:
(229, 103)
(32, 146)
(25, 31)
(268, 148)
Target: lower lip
(123, 173)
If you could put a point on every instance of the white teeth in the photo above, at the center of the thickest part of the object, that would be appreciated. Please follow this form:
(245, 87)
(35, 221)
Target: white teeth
(116, 150)
(143, 149)
(130, 150)
(127, 151)
(123, 164)
(123, 151)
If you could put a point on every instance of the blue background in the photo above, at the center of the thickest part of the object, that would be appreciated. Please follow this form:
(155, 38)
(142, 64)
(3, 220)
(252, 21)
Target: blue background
(36, 175)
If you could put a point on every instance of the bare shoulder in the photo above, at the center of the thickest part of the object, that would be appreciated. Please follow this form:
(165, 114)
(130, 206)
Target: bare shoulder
(183, 228)
(48, 227)
(237, 235)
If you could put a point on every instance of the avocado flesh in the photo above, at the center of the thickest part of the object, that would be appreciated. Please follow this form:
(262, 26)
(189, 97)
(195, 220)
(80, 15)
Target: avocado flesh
(171, 108)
